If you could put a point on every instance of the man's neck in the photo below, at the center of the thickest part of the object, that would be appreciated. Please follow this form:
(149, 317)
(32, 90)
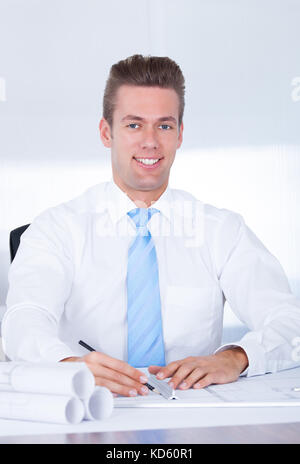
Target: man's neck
(141, 198)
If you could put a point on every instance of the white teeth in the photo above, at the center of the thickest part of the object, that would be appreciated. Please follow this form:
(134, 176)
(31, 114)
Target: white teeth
(147, 160)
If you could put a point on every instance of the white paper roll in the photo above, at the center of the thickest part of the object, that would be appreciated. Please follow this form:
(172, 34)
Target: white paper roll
(42, 408)
(100, 404)
(53, 379)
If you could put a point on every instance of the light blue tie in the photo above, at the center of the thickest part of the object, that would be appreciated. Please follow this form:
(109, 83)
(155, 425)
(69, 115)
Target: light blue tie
(145, 336)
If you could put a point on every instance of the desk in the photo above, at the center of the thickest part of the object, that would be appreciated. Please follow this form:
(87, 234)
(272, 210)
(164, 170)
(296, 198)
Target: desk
(242, 424)
(247, 434)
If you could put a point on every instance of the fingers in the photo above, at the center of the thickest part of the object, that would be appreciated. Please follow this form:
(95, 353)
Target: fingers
(187, 375)
(186, 378)
(154, 369)
(118, 376)
(204, 382)
(117, 365)
(197, 372)
(177, 371)
(165, 372)
(119, 382)
(201, 371)
(184, 375)
(119, 389)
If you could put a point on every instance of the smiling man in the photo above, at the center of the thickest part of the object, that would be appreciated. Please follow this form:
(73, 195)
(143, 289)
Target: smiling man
(144, 137)
(118, 267)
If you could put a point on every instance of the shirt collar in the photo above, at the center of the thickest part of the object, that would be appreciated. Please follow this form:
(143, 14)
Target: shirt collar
(119, 204)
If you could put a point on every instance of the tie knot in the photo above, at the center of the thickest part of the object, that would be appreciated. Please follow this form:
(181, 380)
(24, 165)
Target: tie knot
(141, 216)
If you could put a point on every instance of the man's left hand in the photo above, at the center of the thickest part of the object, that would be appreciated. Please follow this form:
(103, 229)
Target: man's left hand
(201, 371)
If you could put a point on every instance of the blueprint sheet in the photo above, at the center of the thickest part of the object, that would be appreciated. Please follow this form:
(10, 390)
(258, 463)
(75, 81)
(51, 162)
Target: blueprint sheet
(260, 391)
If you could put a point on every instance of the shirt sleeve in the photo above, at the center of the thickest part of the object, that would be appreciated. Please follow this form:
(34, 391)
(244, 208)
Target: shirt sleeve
(40, 280)
(258, 292)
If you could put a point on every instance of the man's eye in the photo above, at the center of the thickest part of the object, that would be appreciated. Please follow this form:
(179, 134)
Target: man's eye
(132, 125)
(165, 126)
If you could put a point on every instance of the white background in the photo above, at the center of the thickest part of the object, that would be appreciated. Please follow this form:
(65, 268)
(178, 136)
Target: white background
(241, 147)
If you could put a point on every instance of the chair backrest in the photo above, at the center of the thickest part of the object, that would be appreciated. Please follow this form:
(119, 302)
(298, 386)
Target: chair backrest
(14, 240)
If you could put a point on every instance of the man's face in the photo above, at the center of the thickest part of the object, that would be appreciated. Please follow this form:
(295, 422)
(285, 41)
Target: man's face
(144, 138)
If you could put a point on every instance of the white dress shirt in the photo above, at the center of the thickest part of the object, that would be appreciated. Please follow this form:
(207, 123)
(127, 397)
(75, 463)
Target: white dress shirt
(68, 282)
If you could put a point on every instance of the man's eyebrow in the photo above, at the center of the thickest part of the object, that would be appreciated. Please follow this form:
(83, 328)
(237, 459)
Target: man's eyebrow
(132, 117)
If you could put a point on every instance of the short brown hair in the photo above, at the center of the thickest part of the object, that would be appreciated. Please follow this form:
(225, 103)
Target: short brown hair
(146, 71)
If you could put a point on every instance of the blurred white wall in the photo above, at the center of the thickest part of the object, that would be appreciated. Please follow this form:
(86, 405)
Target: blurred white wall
(241, 147)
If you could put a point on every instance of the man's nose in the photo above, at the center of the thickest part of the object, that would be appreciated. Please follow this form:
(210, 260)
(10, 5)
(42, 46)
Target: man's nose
(149, 139)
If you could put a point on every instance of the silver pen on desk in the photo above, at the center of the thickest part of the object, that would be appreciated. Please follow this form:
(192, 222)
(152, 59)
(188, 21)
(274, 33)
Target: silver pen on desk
(296, 389)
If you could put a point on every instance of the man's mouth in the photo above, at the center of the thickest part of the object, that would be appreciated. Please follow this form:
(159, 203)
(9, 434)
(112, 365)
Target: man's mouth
(148, 162)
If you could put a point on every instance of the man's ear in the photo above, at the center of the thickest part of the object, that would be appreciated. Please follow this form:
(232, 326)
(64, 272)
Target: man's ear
(105, 133)
(180, 136)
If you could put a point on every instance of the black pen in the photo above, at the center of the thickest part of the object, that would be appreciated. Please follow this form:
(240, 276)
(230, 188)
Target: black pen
(88, 347)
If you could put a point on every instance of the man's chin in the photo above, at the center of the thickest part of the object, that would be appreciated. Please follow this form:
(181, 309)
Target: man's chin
(148, 183)
(145, 186)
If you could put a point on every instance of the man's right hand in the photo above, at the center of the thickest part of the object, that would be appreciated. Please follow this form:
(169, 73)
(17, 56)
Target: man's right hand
(118, 376)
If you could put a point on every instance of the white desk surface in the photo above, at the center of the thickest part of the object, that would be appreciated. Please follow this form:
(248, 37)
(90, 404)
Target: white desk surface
(125, 419)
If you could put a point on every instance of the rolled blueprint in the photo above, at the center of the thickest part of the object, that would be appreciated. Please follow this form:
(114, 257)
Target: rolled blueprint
(68, 379)
(42, 408)
(99, 405)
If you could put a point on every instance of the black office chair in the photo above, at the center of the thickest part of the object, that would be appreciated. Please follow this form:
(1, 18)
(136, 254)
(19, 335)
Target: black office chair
(14, 240)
